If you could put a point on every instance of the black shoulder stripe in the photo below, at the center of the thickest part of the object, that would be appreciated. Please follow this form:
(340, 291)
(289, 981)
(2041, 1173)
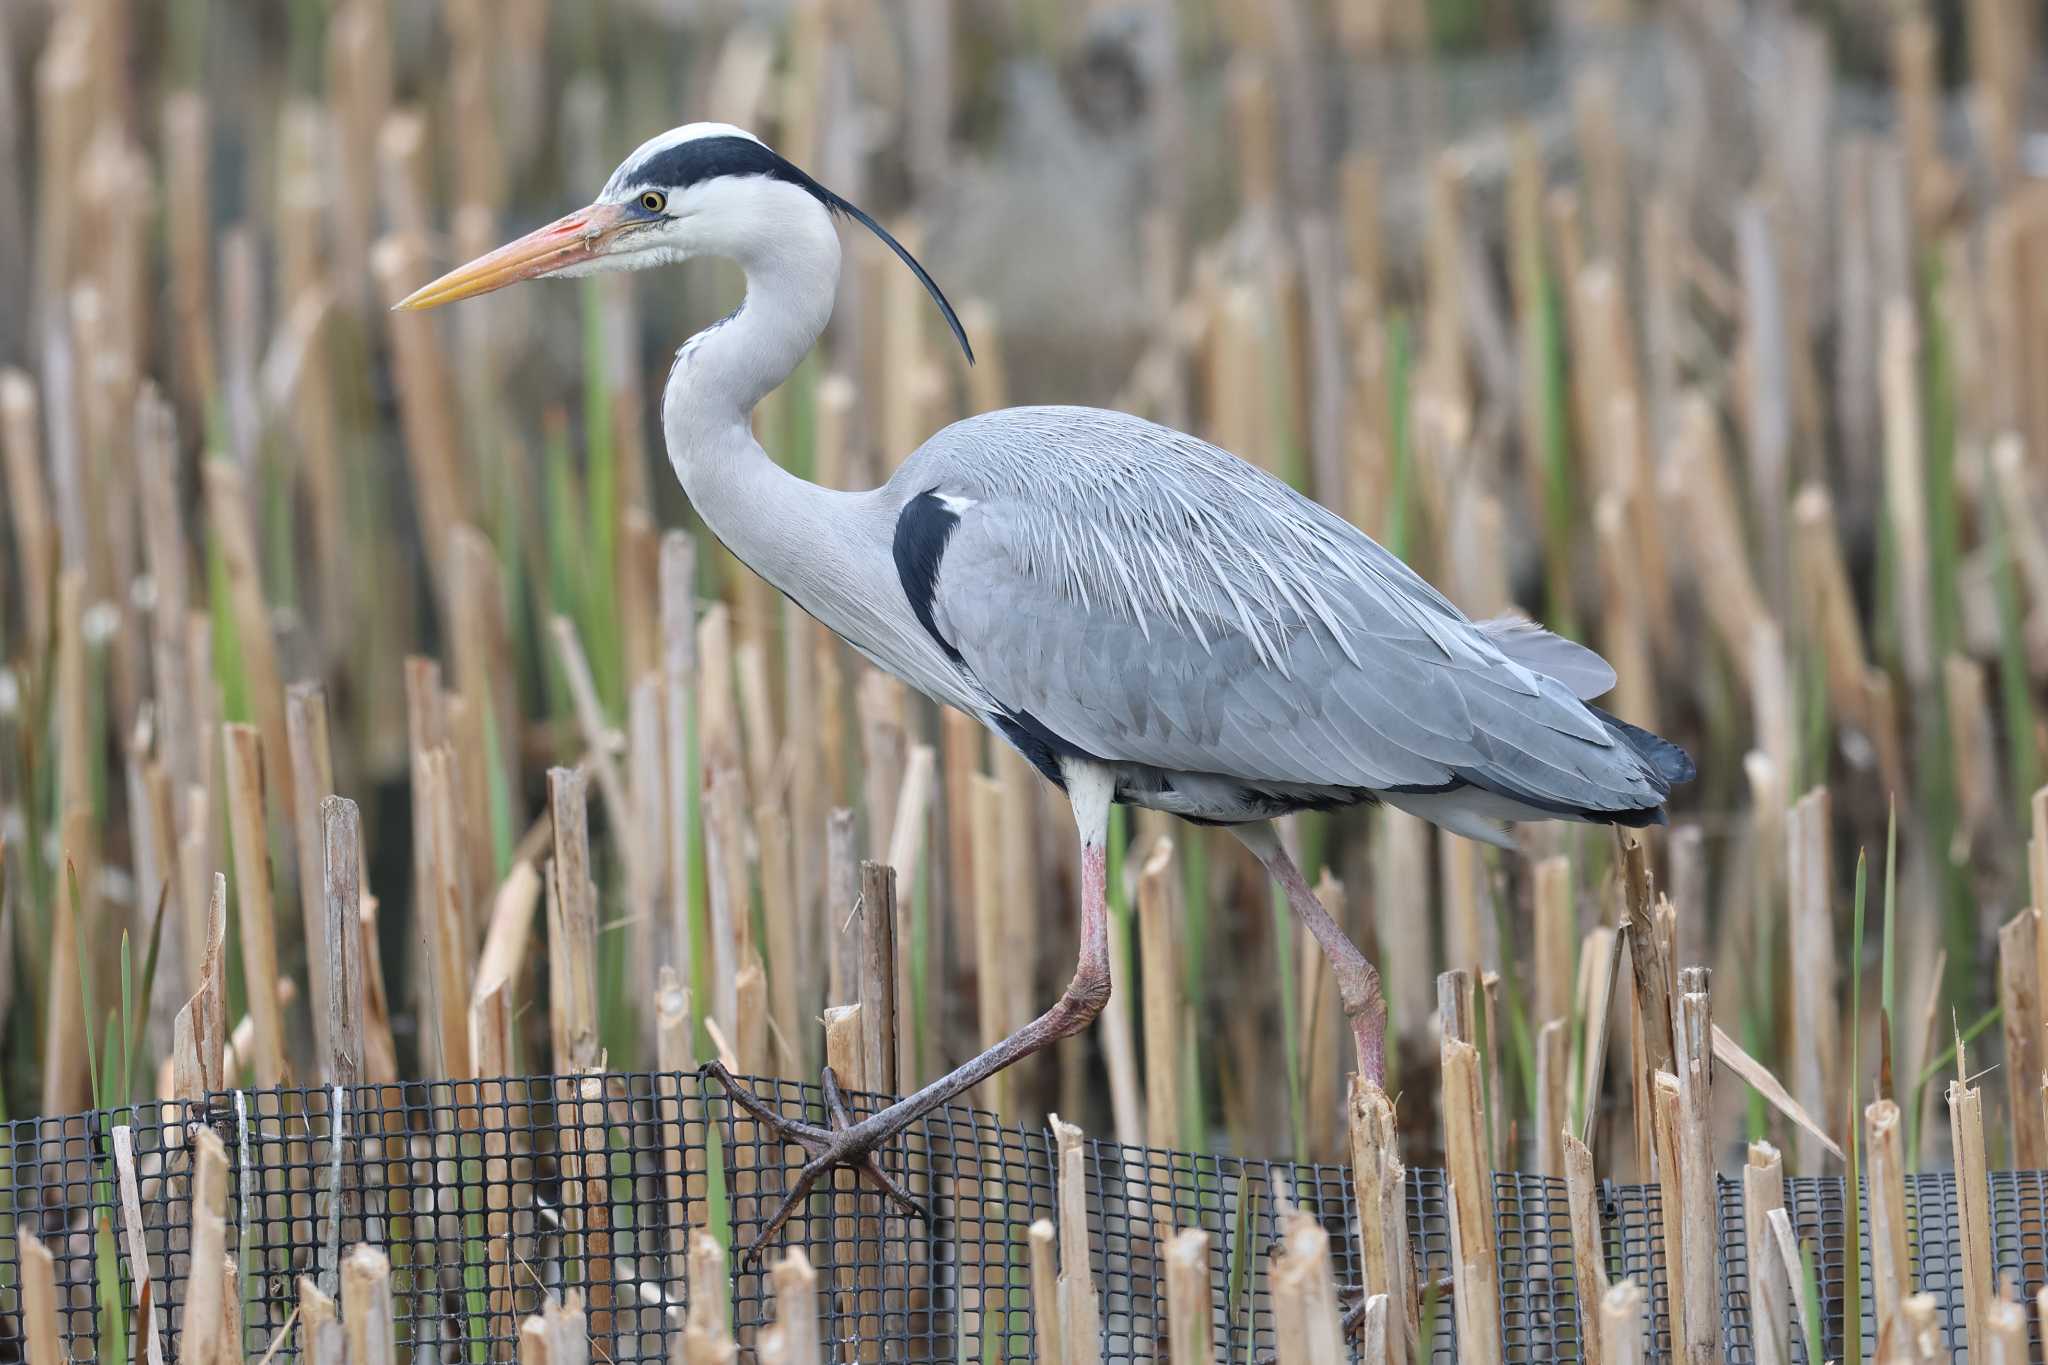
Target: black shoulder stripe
(922, 531)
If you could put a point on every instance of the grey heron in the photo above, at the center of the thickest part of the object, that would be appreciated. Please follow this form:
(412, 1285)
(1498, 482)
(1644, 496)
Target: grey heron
(1147, 618)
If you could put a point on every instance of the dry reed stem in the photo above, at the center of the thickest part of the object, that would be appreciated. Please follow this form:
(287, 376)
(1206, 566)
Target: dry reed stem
(1553, 1102)
(1555, 931)
(1589, 1269)
(66, 1080)
(341, 864)
(1973, 1214)
(750, 1032)
(846, 1046)
(878, 967)
(1306, 1319)
(257, 913)
(1664, 1101)
(2005, 1327)
(1971, 751)
(2026, 1036)
(1816, 1022)
(320, 1335)
(1830, 605)
(1045, 1293)
(1921, 1340)
(1759, 1078)
(506, 939)
(1904, 480)
(1891, 1269)
(28, 503)
(200, 1334)
(992, 1018)
(366, 1308)
(599, 738)
(1190, 1334)
(1469, 1176)
(1712, 517)
(441, 917)
(38, 1289)
(784, 934)
(312, 777)
(678, 693)
(1080, 1310)
(729, 924)
(232, 521)
(1160, 918)
(880, 701)
(572, 927)
(135, 1242)
(1621, 1323)
(1381, 1190)
(908, 830)
(1701, 1245)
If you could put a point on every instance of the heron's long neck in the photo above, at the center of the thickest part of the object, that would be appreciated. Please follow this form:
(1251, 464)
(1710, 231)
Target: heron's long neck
(782, 526)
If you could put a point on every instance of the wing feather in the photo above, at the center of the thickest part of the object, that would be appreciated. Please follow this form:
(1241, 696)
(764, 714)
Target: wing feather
(1152, 599)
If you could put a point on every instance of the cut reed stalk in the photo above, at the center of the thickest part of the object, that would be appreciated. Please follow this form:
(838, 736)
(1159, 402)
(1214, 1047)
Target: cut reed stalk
(201, 1335)
(312, 777)
(1189, 1332)
(1380, 1184)
(1701, 1243)
(1973, 1213)
(1161, 918)
(1305, 1314)
(1080, 1309)
(730, 918)
(1469, 1176)
(1553, 1100)
(1621, 1323)
(38, 1289)
(256, 911)
(2026, 1036)
(878, 1001)
(784, 934)
(1764, 1192)
(991, 999)
(1891, 1273)
(320, 1336)
(341, 864)
(1815, 1013)
(506, 940)
(1589, 1269)
(1051, 1332)
(368, 1320)
(572, 927)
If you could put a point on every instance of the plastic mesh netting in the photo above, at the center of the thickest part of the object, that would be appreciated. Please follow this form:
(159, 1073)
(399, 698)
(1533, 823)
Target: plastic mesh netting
(488, 1195)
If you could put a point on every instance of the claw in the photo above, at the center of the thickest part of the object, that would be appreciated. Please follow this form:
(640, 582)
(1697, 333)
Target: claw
(843, 1144)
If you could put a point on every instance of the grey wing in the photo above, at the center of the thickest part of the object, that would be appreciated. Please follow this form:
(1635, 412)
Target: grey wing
(1142, 597)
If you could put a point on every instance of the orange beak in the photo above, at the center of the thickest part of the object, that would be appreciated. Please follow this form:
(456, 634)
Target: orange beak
(582, 236)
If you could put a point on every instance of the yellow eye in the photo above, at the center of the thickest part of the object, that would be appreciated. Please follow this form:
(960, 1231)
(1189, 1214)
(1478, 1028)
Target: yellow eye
(654, 201)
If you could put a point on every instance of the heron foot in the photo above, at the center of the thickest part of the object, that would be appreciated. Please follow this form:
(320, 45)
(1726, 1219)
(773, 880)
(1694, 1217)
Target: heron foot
(842, 1144)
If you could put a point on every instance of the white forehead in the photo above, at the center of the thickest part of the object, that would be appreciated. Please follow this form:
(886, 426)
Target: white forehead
(674, 137)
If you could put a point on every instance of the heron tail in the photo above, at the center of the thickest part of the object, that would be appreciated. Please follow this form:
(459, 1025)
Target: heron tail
(1671, 764)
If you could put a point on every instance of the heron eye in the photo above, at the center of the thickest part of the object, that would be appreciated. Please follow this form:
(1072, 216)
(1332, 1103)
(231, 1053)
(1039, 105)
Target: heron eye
(654, 201)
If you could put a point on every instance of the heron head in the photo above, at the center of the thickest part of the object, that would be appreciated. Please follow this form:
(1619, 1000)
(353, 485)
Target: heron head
(705, 189)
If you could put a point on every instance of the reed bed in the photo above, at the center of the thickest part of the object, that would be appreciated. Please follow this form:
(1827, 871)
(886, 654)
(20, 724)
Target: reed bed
(371, 705)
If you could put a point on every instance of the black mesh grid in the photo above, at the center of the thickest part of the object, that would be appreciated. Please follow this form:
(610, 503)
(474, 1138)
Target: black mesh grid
(2019, 1225)
(488, 1195)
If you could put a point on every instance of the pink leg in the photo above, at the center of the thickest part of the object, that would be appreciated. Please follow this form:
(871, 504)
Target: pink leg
(854, 1144)
(1358, 981)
